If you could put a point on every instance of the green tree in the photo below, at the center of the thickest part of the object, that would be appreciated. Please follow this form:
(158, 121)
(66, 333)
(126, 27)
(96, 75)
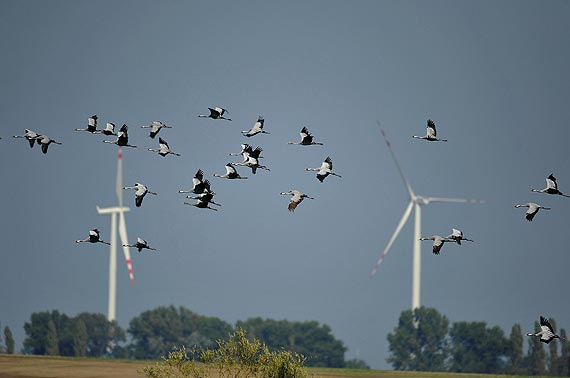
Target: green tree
(80, 339)
(36, 333)
(535, 358)
(276, 334)
(317, 343)
(475, 348)
(103, 336)
(309, 338)
(156, 332)
(564, 359)
(516, 354)
(9, 340)
(52, 342)
(419, 341)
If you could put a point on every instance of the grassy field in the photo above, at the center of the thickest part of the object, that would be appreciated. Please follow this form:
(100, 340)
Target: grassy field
(18, 366)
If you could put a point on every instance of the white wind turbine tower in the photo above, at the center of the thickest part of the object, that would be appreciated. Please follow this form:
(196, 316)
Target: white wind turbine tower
(114, 211)
(416, 202)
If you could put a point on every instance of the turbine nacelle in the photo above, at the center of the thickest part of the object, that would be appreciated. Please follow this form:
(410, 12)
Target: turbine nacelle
(421, 200)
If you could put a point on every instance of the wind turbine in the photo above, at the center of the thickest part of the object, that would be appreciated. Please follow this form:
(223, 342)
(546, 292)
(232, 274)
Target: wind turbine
(416, 202)
(114, 211)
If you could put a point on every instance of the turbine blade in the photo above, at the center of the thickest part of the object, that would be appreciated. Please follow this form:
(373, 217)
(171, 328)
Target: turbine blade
(456, 200)
(408, 186)
(394, 236)
(125, 240)
(119, 187)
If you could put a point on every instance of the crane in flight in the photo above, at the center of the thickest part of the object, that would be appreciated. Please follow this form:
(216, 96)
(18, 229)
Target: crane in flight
(306, 138)
(155, 127)
(216, 113)
(551, 187)
(431, 133)
(532, 209)
(94, 237)
(296, 198)
(324, 170)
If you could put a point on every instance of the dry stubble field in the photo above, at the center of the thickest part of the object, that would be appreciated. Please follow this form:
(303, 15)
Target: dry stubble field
(20, 366)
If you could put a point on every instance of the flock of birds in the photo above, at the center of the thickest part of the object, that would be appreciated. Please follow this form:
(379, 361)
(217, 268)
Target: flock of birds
(457, 235)
(546, 333)
(202, 193)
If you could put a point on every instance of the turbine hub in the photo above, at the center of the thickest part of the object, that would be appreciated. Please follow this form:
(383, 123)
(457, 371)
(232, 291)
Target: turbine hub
(421, 200)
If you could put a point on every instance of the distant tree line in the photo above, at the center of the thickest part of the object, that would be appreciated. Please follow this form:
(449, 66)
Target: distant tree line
(8, 341)
(425, 341)
(155, 333)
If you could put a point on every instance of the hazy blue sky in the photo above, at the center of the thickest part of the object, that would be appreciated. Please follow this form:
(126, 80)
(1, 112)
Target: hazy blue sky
(493, 75)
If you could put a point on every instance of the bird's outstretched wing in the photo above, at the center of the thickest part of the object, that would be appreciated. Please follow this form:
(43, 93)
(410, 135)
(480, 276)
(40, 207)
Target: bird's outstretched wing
(544, 322)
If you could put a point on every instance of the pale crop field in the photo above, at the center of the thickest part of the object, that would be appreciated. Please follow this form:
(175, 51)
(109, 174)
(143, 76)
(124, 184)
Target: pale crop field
(20, 366)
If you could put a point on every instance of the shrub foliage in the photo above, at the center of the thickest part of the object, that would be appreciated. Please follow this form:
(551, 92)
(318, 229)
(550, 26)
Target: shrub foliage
(236, 357)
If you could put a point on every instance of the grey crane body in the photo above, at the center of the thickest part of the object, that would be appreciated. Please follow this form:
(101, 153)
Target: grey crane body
(94, 237)
(431, 133)
(231, 173)
(245, 148)
(551, 187)
(44, 141)
(216, 113)
(256, 129)
(207, 197)
(109, 129)
(140, 245)
(91, 125)
(306, 138)
(199, 185)
(546, 333)
(438, 242)
(457, 236)
(141, 192)
(29, 135)
(252, 160)
(532, 209)
(246, 152)
(296, 198)
(155, 127)
(163, 149)
(122, 138)
(324, 170)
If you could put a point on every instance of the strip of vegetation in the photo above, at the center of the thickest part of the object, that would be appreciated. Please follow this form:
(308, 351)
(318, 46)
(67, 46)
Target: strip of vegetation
(236, 357)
